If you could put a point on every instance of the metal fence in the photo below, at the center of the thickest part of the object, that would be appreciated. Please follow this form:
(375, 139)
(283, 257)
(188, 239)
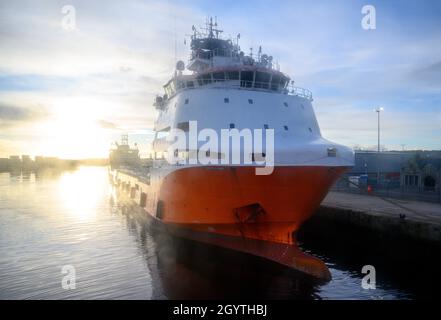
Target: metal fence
(390, 189)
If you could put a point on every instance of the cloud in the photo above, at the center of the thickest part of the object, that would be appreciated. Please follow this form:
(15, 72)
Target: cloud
(107, 125)
(428, 75)
(10, 114)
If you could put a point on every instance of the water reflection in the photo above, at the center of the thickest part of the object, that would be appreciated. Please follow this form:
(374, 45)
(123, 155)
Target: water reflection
(81, 191)
(76, 218)
(42, 229)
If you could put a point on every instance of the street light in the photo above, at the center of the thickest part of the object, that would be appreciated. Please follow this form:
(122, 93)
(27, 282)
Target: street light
(378, 110)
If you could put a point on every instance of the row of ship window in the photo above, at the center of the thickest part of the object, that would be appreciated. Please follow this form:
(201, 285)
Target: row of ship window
(250, 101)
(184, 126)
(265, 126)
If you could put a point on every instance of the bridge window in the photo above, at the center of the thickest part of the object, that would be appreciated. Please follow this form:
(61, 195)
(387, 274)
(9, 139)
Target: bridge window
(262, 80)
(200, 81)
(206, 78)
(275, 82)
(233, 75)
(265, 126)
(246, 79)
(186, 101)
(226, 100)
(171, 88)
(218, 76)
(285, 104)
(250, 101)
(232, 126)
(285, 127)
(181, 85)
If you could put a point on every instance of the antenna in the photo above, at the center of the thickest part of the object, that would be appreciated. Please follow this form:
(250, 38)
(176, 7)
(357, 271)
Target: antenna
(216, 29)
(211, 28)
(210, 25)
(259, 53)
(176, 41)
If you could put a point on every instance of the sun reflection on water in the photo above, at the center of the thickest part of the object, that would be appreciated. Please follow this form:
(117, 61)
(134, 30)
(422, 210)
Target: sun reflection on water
(81, 191)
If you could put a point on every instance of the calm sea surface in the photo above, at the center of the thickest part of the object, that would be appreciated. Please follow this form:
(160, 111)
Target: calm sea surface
(73, 218)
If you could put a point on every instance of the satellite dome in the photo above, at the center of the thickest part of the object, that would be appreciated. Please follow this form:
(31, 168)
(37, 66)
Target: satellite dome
(180, 65)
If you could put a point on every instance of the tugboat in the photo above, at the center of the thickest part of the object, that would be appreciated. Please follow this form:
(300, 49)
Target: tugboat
(226, 203)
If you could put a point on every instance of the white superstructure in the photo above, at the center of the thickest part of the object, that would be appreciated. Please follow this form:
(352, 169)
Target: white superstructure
(228, 89)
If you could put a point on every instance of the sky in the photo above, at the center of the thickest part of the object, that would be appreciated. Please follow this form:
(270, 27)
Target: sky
(70, 92)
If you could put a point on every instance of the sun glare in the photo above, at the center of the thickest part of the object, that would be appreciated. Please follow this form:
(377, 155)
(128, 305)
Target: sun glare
(73, 132)
(81, 190)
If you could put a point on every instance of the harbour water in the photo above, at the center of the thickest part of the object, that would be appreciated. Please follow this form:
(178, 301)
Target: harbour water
(73, 218)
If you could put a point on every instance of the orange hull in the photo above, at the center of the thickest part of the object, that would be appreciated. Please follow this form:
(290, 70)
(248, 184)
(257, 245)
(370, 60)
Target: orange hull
(234, 208)
(235, 201)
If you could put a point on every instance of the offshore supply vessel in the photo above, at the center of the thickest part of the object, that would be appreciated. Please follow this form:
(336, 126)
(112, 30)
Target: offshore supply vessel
(230, 204)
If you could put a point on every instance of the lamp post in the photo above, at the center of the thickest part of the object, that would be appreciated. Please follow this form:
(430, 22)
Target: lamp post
(378, 110)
